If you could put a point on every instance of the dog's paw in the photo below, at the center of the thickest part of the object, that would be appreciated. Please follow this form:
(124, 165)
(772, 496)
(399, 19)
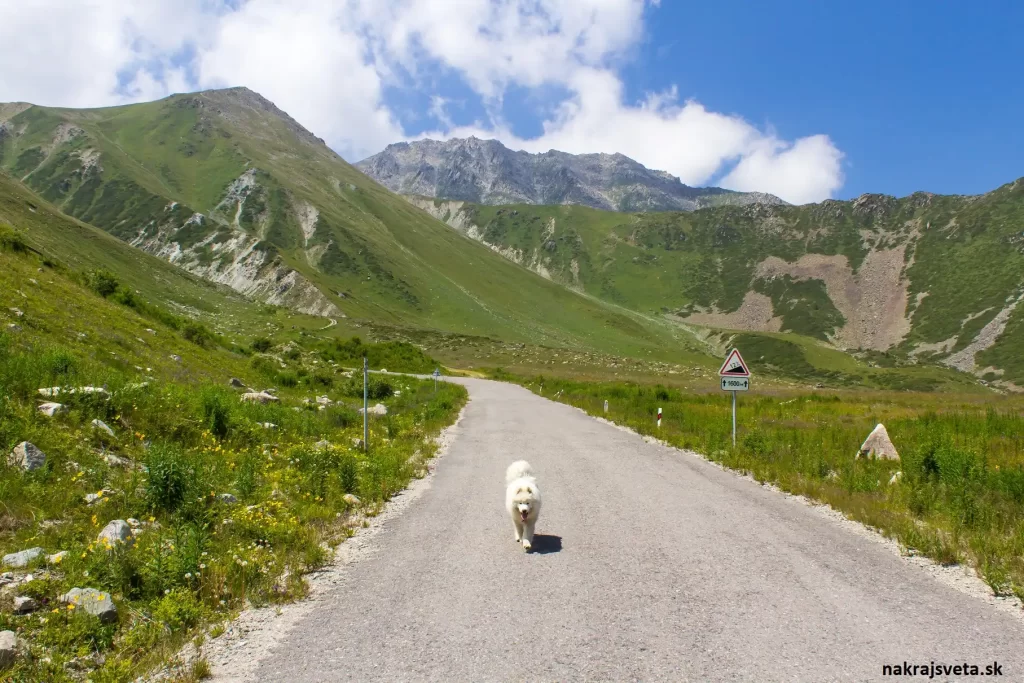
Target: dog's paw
(527, 546)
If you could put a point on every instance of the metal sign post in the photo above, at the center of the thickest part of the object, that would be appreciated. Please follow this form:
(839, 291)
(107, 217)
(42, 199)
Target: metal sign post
(366, 412)
(437, 373)
(735, 377)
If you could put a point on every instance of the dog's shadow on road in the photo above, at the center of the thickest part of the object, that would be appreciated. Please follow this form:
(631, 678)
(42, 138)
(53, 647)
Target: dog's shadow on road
(546, 543)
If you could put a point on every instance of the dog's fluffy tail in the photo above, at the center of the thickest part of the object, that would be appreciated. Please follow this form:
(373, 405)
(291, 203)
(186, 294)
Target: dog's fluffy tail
(520, 468)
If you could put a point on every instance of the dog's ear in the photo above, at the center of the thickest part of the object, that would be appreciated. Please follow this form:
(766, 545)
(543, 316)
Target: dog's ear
(529, 490)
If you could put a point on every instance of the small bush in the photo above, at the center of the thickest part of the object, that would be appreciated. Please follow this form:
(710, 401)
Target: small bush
(288, 379)
(376, 389)
(178, 610)
(197, 333)
(103, 282)
(168, 477)
(216, 411)
(261, 345)
(11, 240)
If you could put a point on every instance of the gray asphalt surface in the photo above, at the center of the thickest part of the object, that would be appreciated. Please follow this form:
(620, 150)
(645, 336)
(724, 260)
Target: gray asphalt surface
(652, 565)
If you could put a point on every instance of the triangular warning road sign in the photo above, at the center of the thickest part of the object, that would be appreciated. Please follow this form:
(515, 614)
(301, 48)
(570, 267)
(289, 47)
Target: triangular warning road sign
(734, 366)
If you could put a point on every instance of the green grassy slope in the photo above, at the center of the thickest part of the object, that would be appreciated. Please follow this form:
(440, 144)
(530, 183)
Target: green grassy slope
(231, 502)
(963, 258)
(371, 254)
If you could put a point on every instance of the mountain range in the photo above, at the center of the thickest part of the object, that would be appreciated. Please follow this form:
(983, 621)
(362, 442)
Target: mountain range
(226, 186)
(487, 172)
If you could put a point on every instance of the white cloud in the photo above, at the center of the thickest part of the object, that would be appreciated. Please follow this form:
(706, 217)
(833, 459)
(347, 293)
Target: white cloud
(328, 62)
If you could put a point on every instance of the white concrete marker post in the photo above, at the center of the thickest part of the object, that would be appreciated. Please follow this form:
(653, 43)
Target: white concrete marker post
(659, 418)
(366, 413)
(606, 405)
(735, 377)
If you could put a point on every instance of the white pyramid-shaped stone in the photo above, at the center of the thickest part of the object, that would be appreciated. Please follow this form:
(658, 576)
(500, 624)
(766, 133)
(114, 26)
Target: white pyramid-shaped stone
(878, 445)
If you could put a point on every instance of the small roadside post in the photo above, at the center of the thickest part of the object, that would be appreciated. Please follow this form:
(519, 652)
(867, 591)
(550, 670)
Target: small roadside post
(606, 405)
(735, 377)
(366, 415)
(659, 418)
(437, 373)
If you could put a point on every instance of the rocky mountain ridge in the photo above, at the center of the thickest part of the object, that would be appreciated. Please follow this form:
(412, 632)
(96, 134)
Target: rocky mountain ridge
(487, 172)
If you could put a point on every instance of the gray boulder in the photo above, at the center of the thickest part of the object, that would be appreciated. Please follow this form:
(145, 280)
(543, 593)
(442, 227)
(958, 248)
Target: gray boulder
(103, 427)
(227, 498)
(878, 445)
(50, 408)
(27, 457)
(25, 605)
(259, 397)
(117, 531)
(96, 603)
(22, 559)
(379, 409)
(237, 383)
(8, 648)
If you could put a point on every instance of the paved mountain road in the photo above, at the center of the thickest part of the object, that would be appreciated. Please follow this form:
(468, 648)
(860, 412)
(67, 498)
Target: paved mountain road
(652, 565)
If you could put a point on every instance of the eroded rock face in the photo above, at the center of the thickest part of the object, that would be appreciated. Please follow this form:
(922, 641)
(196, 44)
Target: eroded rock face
(487, 172)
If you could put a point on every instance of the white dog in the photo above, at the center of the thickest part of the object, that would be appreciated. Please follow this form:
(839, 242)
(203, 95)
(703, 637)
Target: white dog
(522, 498)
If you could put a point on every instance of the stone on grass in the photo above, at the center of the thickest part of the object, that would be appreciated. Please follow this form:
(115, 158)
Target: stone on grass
(116, 532)
(379, 409)
(49, 409)
(350, 499)
(895, 478)
(176, 358)
(322, 445)
(56, 558)
(96, 603)
(103, 427)
(268, 425)
(878, 445)
(237, 383)
(24, 605)
(8, 648)
(22, 559)
(259, 397)
(26, 457)
(227, 498)
(357, 443)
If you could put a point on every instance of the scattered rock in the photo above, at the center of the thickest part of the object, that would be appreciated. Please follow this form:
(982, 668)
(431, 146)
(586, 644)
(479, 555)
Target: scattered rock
(49, 409)
(33, 281)
(878, 445)
(259, 397)
(268, 425)
(237, 383)
(116, 461)
(227, 498)
(895, 478)
(93, 498)
(116, 532)
(8, 648)
(176, 358)
(22, 559)
(96, 603)
(832, 475)
(398, 393)
(350, 499)
(358, 444)
(103, 427)
(324, 401)
(322, 445)
(24, 605)
(133, 523)
(27, 457)
(17, 311)
(150, 331)
(56, 558)
(379, 409)
(50, 392)
(13, 327)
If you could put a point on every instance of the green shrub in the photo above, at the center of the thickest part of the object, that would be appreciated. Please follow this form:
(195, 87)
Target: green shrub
(216, 410)
(261, 345)
(376, 387)
(11, 240)
(197, 333)
(288, 379)
(103, 282)
(178, 610)
(167, 478)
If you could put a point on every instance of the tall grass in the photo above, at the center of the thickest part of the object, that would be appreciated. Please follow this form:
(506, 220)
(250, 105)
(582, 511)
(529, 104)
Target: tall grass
(960, 495)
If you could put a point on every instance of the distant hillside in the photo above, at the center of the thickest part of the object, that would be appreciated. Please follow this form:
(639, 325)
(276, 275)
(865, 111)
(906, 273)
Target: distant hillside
(230, 188)
(922, 278)
(487, 172)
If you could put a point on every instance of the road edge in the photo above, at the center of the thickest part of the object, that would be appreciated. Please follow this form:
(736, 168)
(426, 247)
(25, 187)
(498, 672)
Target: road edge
(249, 638)
(960, 577)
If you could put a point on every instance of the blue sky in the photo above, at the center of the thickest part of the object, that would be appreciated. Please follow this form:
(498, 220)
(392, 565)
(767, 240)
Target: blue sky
(918, 96)
(806, 100)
